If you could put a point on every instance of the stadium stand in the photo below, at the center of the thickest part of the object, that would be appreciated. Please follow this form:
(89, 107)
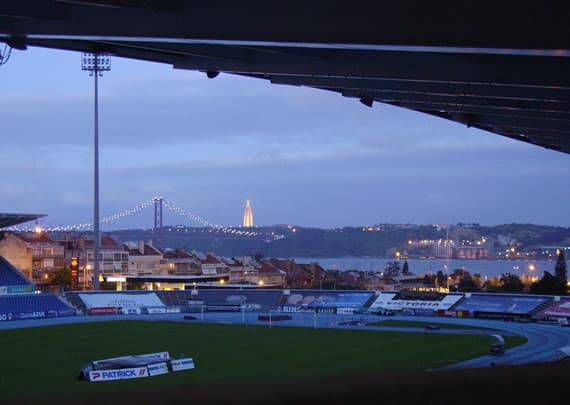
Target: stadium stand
(324, 298)
(508, 306)
(252, 299)
(501, 305)
(554, 310)
(28, 306)
(175, 298)
(11, 276)
(430, 302)
(75, 301)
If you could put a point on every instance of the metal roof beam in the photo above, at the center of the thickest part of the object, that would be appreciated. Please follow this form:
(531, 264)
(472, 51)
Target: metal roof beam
(407, 22)
(459, 100)
(481, 110)
(441, 87)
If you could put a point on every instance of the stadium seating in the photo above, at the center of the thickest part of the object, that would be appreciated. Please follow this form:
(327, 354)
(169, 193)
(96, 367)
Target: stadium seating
(501, 304)
(73, 297)
(327, 298)
(75, 301)
(417, 302)
(554, 310)
(250, 298)
(11, 276)
(32, 306)
(258, 299)
(175, 298)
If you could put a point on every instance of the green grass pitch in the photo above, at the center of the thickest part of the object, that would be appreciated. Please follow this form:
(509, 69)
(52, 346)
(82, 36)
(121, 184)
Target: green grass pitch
(43, 363)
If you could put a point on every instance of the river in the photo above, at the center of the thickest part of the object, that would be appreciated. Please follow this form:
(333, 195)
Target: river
(489, 268)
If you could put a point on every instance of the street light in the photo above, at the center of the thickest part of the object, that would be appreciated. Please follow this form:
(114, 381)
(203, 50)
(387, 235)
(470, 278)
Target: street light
(96, 64)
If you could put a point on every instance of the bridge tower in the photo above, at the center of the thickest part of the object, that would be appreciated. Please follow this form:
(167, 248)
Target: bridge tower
(158, 225)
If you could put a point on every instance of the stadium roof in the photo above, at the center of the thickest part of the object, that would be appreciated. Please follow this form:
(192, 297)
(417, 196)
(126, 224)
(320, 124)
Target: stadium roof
(502, 67)
(7, 220)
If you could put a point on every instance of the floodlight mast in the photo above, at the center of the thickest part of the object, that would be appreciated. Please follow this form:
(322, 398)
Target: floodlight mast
(96, 64)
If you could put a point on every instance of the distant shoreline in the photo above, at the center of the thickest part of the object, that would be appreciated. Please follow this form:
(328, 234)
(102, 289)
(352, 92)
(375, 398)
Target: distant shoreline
(486, 267)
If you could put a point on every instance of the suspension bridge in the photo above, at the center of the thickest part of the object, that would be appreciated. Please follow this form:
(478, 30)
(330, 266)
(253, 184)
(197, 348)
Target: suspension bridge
(158, 204)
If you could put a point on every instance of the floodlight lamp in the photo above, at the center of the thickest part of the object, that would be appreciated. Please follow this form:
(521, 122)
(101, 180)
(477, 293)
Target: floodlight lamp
(95, 62)
(212, 74)
(367, 101)
(17, 42)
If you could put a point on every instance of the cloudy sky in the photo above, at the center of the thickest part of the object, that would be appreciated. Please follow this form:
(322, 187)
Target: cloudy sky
(303, 156)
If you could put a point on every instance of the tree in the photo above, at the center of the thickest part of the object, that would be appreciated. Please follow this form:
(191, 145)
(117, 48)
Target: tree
(553, 284)
(406, 268)
(477, 278)
(107, 285)
(429, 280)
(135, 285)
(459, 273)
(545, 285)
(511, 283)
(62, 277)
(467, 284)
(560, 268)
(441, 279)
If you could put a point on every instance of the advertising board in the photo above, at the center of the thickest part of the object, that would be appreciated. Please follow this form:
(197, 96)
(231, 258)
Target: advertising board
(391, 302)
(17, 289)
(104, 310)
(120, 300)
(326, 310)
(119, 374)
(295, 308)
(74, 273)
(453, 314)
(155, 310)
(157, 369)
(12, 316)
(131, 311)
(182, 364)
(223, 308)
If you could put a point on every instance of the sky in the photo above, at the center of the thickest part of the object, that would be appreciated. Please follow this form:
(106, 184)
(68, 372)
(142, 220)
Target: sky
(302, 156)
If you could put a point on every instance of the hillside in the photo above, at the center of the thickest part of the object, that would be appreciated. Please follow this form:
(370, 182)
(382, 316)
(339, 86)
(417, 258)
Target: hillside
(379, 241)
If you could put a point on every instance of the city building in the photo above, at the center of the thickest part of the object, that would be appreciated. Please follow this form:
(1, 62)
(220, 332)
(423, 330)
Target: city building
(310, 275)
(271, 276)
(180, 263)
(35, 254)
(145, 259)
(211, 265)
(113, 260)
(443, 248)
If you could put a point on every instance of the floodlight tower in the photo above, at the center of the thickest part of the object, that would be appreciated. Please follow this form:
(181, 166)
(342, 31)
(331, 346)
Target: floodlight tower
(96, 64)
